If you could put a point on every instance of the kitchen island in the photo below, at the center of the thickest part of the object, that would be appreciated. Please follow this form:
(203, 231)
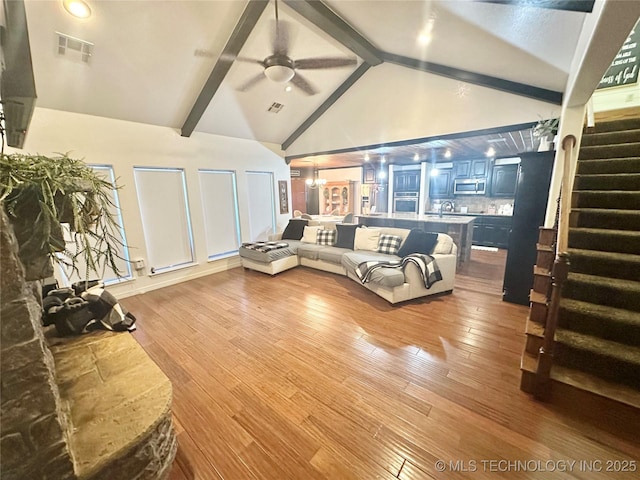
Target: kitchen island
(457, 227)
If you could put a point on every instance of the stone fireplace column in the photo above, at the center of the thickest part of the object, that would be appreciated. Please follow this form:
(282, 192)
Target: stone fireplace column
(33, 425)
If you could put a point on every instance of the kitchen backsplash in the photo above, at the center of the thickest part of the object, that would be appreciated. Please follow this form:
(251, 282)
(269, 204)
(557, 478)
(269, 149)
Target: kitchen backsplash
(495, 206)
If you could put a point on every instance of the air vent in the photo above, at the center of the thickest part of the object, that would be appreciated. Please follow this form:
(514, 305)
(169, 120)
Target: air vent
(294, 173)
(275, 107)
(74, 48)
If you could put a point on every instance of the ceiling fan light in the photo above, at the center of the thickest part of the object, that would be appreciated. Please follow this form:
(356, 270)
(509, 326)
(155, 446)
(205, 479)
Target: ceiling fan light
(279, 73)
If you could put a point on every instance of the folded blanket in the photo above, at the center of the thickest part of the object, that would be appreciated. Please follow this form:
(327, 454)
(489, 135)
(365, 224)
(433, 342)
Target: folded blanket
(265, 246)
(426, 264)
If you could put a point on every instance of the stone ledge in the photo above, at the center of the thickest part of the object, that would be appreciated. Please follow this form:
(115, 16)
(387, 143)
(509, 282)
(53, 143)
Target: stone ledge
(119, 406)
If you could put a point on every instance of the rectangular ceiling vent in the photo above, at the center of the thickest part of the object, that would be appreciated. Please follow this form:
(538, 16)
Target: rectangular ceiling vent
(74, 48)
(275, 107)
(294, 173)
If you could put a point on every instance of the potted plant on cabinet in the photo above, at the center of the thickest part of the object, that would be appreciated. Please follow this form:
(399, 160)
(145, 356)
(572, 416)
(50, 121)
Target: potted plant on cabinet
(546, 130)
(43, 197)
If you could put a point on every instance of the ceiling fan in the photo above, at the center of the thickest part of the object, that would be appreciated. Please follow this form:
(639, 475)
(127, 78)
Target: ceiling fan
(280, 68)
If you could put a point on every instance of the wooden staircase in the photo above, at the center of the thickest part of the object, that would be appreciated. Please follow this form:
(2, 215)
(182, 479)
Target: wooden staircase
(597, 341)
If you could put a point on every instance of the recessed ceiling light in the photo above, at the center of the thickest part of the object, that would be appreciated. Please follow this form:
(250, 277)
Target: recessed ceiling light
(77, 8)
(447, 154)
(366, 157)
(288, 88)
(490, 152)
(416, 157)
(383, 159)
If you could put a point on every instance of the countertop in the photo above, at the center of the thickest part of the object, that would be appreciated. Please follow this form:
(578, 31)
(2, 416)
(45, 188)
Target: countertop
(430, 218)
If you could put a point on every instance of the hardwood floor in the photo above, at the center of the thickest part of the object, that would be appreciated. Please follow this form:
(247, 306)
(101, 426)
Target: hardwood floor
(307, 375)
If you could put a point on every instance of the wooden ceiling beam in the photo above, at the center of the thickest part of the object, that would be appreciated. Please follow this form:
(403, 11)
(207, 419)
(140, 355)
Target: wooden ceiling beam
(488, 81)
(236, 41)
(585, 6)
(323, 17)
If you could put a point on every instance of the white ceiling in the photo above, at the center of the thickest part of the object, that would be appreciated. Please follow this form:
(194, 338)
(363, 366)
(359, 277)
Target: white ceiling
(151, 59)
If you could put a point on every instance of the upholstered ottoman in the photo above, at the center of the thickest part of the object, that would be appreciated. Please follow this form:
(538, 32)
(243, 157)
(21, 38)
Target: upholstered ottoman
(270, 257)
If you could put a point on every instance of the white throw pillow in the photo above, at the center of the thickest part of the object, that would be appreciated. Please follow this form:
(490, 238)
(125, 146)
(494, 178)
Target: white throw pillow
(310, 234)
(444, 245)
(366, 239)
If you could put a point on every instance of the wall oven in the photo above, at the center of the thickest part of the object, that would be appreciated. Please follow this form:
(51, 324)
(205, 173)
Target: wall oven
(405, 202)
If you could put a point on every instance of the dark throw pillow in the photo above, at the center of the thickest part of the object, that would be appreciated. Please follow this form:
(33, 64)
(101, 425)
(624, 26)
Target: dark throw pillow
(346, 235)
(418, 241)
(294, 229)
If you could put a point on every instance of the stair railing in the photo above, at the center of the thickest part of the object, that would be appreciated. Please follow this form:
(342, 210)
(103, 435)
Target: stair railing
(558, 275)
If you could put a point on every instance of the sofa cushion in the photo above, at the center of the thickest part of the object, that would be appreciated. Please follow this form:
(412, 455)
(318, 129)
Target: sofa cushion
(332, 254)
(309, 250)
(385, 277)
(310, 234)
(326, 237)
(366, 239)
(389, 244)
(294, 229)
(418, 241)
(346, 234)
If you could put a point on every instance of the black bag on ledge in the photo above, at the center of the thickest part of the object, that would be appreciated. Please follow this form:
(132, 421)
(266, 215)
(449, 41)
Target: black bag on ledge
(76, 310)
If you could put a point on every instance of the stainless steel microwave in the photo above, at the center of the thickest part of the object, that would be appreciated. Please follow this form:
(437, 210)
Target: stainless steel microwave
(470, 186)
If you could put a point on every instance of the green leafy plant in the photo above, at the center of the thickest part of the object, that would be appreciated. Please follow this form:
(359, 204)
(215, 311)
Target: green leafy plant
(41, 193)
(546, 127)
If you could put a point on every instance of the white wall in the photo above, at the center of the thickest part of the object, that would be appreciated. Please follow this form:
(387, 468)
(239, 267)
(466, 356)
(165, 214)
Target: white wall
(393, 103)
(124, 145)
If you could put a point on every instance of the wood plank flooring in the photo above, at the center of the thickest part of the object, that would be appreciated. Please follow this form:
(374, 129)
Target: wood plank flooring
(307, 375)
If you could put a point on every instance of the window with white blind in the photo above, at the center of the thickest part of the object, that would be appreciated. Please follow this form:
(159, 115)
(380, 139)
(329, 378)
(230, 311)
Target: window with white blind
(106, 273)
(262, 211)
(162, 197)
(220, 210)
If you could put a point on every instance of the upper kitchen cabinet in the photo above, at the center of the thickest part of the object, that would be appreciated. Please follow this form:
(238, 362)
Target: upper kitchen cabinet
(440, 186)
(470, 168)
(504, 179)
(406, 181)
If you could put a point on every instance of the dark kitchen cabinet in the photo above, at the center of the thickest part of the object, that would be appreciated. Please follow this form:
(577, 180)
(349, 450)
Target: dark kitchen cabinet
(462, 168)
(470, 168)
(492, 231)
(532, 192)
(440, 186)
(503, 180)
(406, 181)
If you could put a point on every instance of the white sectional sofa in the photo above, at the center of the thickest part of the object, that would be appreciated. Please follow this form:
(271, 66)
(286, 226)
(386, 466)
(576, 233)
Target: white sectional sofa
(394, 285)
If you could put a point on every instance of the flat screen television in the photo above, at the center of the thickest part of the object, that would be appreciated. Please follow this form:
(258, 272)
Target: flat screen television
(17, 83)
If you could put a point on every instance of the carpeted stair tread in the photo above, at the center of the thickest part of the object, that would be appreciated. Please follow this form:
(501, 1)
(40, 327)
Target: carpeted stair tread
(605, 264)
(612, 292)
(610, 323)
(580, 341)
(609, 165)
(616, 199)
(615, 219)
(614, 125)
(620, 241)
(604, 358)
(607, 138)
(609, 151)
(607, 181)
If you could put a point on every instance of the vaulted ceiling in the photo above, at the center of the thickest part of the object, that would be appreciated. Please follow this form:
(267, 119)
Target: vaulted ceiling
(174, 64)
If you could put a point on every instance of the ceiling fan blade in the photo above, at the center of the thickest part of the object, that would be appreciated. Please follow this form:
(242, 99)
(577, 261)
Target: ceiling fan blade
(250, 60)
(300, 82)
(326, 62)
(281, 38)
(251, 82)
